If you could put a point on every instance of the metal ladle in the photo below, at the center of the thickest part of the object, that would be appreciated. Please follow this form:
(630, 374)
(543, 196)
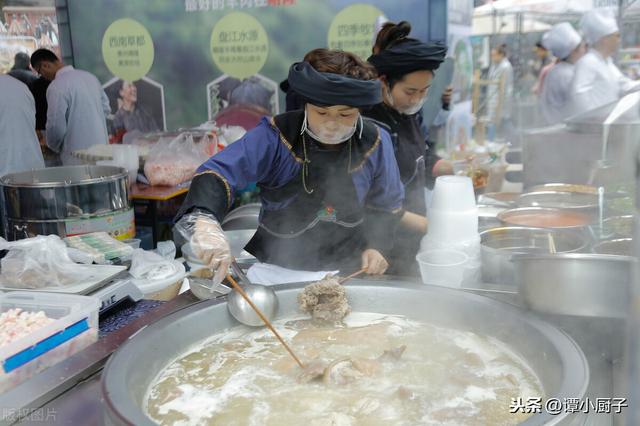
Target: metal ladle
(264, 298)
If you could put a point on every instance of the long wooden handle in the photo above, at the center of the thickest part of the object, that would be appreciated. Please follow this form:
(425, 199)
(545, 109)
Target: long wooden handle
(263, 318)
(355, 274)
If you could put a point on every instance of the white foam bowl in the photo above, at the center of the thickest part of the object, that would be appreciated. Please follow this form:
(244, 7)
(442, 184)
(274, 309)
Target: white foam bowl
(444, 268)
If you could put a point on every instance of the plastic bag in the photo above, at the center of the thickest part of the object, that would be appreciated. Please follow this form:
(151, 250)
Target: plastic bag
(171, 162)
(147, 265)
(39, 262)
(166, 249)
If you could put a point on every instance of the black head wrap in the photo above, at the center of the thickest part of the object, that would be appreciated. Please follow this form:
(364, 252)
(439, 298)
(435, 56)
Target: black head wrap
(408, 56)
(323, 88)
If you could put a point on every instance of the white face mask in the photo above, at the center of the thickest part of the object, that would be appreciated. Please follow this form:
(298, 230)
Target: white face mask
(330, 135)
(410, 110)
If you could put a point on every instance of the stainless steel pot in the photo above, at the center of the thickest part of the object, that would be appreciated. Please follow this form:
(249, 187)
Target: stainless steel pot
(43, 201)
(499, 245)
(544, 218)
(573, 201)
(63, 192)
(587, 285)
(565, 187)
(618, 247)
(553, 356)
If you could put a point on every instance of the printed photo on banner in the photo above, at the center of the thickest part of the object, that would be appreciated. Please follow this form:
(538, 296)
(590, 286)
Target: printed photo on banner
(136, 108)
(235, 102)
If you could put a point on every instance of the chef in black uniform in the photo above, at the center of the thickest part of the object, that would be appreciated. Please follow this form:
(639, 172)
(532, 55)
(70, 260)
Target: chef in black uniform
(406, 68)
(329, 184)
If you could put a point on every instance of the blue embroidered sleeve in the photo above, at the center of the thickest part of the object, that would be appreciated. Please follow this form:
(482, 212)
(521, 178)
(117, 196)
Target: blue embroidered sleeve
(260, 156)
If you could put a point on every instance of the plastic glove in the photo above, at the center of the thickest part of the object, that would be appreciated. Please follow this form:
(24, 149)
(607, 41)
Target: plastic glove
(373, 262)
(208, 242)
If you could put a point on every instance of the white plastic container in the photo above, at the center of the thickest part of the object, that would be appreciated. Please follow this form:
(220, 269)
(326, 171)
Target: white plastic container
(453, 193)
(75, 327)
(443, 267)
(162, 289)
(127, 156)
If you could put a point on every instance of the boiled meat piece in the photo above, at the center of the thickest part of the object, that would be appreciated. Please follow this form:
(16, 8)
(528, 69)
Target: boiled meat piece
(325, 300)
(341, 372)
(368, 367)
(406, 393)
(312, 370)
(392, 354)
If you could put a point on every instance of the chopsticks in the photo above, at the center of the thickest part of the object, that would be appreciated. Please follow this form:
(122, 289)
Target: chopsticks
(355, 274)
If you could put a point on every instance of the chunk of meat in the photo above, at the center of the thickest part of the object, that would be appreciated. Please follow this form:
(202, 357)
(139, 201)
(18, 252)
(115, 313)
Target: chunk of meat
(392, 354)
(325, 300)
(368, 367)
(405, 393)
(345, 370)
(341, 372)
(312, 370)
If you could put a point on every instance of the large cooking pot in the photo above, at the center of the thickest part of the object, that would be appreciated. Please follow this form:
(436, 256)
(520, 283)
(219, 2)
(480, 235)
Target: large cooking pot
(67, 200)
(499, 245)
(586, 285)
(553, 356)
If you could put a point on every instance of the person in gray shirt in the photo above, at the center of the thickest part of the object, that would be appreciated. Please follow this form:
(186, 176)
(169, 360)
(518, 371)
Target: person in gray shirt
(77, 107)
(19, 147)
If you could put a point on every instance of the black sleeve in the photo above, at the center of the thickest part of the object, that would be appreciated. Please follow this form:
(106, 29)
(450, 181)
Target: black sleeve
(208, 192)
(380, 229)
(430, 160)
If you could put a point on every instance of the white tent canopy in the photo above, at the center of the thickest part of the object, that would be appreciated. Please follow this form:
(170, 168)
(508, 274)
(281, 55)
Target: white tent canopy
(506, 24)
(501, 16)
(540, 6)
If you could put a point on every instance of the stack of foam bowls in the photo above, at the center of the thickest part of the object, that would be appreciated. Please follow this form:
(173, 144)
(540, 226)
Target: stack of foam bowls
(453, 231)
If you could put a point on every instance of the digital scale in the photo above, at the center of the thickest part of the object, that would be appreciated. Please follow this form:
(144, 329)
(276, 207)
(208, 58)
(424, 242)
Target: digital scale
(116, 291)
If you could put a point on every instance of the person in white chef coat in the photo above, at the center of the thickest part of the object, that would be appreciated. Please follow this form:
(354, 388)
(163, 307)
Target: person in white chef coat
(597, 80)
(567, 46)
(499, 103)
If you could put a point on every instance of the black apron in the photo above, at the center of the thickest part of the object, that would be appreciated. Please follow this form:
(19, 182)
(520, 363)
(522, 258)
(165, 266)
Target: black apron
(409, 148)
(321, 230)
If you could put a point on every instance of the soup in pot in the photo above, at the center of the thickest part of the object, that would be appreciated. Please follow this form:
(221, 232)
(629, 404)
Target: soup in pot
(376, 370)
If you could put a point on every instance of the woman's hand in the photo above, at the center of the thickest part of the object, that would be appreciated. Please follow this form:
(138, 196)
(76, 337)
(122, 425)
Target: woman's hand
(373, 262)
